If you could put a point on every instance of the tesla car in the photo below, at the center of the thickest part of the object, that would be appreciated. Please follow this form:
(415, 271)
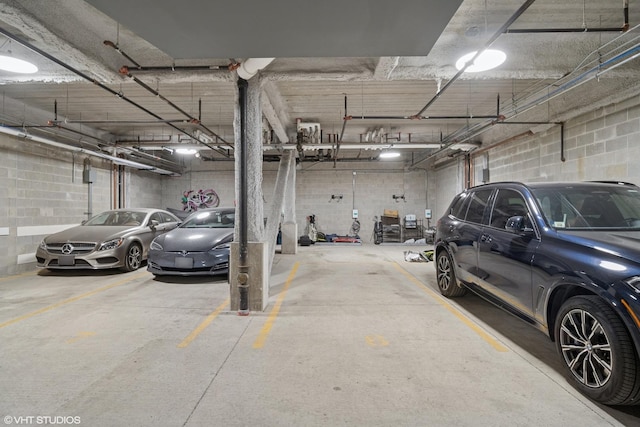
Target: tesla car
(565, 258)
(199, 247)
(117, 238)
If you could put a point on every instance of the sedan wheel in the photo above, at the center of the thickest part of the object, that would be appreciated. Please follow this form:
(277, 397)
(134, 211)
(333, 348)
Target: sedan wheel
(133, 259)
(597, 351)
(447, 282)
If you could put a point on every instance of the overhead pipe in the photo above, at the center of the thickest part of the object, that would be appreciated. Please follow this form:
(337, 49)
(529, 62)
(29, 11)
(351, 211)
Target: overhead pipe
(624, 28)
(251, 66)
(172, 67)
(596, 71)
(125, 71)
(88, 78)
(488, 44)
(339, 140)
(116, 160)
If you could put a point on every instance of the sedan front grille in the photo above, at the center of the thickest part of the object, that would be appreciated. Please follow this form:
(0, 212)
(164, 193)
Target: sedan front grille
(71, 248)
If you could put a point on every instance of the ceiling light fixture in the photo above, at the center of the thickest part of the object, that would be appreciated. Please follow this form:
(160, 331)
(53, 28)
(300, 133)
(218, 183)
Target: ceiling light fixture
(15, 65)
(389, 154)
(186, 150)
(487, 60)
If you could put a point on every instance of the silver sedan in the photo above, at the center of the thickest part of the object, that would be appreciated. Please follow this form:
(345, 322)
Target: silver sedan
(118, 238)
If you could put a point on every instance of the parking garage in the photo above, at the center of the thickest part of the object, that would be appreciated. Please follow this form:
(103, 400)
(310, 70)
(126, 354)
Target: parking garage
(345, 332)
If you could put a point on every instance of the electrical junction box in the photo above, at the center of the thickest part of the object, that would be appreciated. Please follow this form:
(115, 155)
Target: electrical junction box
(355, 214)
(88, 176)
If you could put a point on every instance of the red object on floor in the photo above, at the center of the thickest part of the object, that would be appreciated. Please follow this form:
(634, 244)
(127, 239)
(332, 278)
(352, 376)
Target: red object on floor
(345, 239)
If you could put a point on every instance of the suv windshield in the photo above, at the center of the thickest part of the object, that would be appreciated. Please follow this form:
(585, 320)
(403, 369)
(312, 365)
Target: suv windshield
(590, 207)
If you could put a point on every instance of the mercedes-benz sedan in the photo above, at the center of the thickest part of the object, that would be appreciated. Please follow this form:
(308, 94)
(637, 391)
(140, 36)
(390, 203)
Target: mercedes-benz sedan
(199, 247)
(118, 238)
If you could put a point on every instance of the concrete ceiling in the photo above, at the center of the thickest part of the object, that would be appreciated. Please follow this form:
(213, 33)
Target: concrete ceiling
(390, 63)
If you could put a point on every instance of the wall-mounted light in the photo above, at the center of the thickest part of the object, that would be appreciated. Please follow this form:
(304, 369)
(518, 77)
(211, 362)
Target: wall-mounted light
(15, 65)
(168, 150)
(337, 197)
(398, 197)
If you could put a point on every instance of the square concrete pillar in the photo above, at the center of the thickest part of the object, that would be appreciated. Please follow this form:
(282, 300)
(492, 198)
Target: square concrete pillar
(289, 238)
(258, 275)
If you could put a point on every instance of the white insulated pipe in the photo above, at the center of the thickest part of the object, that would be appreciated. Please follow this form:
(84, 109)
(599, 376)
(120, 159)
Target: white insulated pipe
(251, 66)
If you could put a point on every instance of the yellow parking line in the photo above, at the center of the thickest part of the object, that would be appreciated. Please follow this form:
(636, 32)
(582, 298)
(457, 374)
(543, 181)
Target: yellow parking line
(262, 337)
(471, 324)
(70, 300)
(17, 276)
(201, 327)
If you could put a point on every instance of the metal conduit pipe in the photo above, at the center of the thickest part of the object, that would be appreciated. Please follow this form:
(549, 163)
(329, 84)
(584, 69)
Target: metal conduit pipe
(116, 160)
(462, 135)
(488, 44)
(625, 26)
(92, 80)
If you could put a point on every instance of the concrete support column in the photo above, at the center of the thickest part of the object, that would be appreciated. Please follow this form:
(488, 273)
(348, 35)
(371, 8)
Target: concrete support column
(290, 225)
(275, 216)
(258, 276)
(252, 201)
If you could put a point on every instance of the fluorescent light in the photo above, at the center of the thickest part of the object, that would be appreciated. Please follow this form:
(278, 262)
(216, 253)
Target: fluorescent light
(15, 65)
(487, 60)
(186, 151)
(389, 154)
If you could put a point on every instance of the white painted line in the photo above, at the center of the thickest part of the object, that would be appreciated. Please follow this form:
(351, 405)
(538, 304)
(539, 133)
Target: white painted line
(27, 258)
(42, 230)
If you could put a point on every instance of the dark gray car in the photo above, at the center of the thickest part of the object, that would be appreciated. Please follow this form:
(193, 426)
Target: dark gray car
(199, 247)
(118, 238)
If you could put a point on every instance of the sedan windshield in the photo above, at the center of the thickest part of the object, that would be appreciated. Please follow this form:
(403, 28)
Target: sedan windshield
(121, 218)
(210, 219)
(590, 207)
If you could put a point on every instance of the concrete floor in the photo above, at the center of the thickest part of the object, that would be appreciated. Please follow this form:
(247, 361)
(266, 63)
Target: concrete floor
(353, 336)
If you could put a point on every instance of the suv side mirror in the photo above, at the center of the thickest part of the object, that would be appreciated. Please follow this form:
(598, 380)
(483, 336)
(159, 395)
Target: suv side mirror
(517, 225)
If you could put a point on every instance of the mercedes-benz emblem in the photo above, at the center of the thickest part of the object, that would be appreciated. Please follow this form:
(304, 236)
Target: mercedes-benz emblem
(184, 253)
(67, 248)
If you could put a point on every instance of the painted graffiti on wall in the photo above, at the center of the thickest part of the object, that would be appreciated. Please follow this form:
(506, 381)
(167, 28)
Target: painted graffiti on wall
(194, 200)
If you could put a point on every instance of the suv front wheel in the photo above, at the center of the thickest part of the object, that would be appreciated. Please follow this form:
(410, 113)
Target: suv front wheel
(597, 351)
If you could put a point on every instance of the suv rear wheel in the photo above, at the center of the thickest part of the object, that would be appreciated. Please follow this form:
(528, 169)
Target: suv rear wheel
(597, 351)
(447, 282)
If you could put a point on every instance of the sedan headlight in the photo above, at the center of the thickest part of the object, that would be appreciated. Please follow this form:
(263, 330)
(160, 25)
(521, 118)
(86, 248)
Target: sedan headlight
(225, 244)
(155, 246)
(43, 245)
(111, 244)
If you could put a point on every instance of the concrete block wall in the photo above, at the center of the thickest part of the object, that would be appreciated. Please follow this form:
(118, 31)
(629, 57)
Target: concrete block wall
(42, 192)
(314, 187)
(599, 145)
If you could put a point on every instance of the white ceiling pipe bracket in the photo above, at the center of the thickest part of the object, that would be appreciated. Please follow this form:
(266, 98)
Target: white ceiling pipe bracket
(251, 66)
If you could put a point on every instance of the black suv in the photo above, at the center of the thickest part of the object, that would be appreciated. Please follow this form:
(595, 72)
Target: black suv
(564, 257)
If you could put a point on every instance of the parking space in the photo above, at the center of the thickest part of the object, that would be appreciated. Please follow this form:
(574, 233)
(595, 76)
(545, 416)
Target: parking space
(352, 336)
